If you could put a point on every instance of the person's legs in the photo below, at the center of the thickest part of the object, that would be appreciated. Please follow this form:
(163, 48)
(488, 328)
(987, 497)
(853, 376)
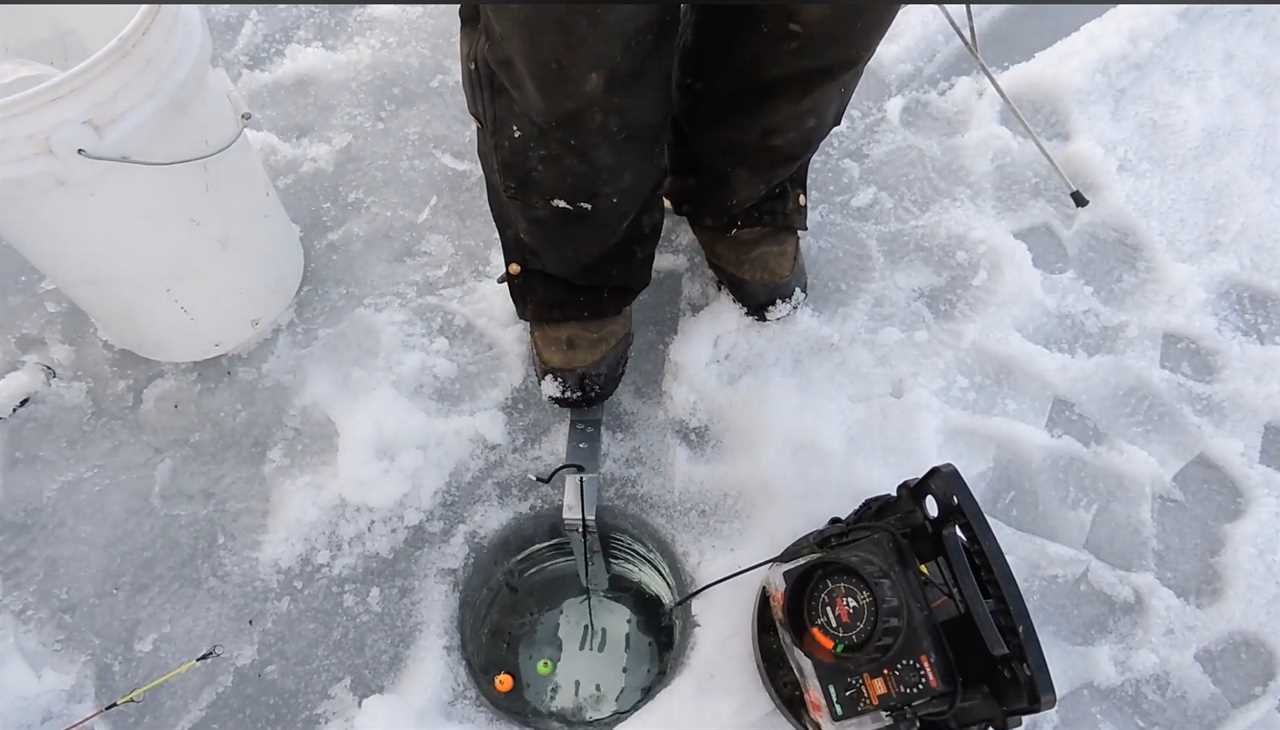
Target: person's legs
(573, 105)
(757, 89)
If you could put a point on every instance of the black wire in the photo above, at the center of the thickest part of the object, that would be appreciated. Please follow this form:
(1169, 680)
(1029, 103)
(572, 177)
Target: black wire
(547, 479)
(742, 571)
(868, 526)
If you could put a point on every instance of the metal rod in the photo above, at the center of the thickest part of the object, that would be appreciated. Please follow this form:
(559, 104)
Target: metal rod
(1077, 197)
(973, 29)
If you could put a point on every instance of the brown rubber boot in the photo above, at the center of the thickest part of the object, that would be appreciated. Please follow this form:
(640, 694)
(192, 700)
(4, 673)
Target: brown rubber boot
(580, 364)
(762, 268)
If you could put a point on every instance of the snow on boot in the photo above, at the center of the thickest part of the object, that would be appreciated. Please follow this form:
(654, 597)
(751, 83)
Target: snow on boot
(762, 268)
(579, 364)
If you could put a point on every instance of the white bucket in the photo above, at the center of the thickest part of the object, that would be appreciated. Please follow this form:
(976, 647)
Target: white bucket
(179, 262)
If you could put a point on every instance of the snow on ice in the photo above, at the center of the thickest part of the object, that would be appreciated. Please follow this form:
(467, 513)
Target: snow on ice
(1104, 378)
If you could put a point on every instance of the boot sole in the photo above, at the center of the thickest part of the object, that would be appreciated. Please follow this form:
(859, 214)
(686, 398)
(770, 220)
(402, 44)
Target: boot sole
(587, 386)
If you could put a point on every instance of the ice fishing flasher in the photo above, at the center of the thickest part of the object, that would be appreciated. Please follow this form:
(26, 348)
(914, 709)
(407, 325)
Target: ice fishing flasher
(903, 614)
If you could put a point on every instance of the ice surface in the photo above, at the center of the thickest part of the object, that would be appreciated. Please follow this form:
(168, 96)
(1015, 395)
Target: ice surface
(1105, 378)
(1269, 449)
(1066, 420)
(40, 682)
(1187, 528)
(1048, 254)
(1240, 665)
(1184, 356)
(1251, 312)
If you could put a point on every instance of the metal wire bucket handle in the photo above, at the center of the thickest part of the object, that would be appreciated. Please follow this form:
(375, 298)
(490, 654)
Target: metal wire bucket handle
(244, 124)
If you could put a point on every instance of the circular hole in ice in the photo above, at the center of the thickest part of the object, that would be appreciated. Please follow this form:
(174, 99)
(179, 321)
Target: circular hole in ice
(524, 612)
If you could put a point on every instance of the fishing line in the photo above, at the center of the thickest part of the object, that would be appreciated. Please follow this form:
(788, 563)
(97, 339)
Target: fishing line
(586, 565)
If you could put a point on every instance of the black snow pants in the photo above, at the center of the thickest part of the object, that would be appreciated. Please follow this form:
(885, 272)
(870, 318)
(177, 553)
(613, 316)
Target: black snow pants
(589, 114)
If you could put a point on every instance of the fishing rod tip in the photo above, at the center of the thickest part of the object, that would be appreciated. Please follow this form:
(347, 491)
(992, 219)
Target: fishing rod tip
(213, 652)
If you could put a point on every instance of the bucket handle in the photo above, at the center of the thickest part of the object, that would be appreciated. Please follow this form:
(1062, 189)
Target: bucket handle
(244, 124)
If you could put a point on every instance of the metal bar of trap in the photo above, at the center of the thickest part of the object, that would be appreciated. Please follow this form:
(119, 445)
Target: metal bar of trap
(582, 495)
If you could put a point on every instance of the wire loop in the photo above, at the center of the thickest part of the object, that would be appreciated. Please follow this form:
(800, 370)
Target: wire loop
(244, 124)
(554, 472)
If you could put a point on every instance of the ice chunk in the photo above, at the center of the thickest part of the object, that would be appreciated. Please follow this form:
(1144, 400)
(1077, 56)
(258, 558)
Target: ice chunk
(1240, 665)
(1109, 258)
(1154, 702)
(1066, 420)
(1184, 356)
(1048, 254)
(1205, 487)
(1269, 449)
(1144, 413)
(1189, 529)
(1251, 312)
(1080, 611)
(1084, 333)
(1055, 497)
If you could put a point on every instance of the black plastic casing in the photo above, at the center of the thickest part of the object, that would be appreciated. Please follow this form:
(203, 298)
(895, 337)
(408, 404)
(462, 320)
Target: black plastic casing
(968, 610)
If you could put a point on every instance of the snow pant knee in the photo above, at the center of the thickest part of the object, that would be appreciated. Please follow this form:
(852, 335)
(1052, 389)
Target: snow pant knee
(585, 114)
(757, 90)
(573, 107)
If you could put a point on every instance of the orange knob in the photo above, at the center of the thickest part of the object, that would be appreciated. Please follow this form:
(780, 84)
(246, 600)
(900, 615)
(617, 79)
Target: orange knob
(504, 682)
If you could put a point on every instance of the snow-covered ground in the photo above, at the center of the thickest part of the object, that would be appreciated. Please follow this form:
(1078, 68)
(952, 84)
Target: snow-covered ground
(1105, 379)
